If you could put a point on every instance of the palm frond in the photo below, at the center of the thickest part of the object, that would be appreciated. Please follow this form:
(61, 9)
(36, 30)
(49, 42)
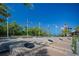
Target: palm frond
(3, 10)
(2, 20)
(29, 5)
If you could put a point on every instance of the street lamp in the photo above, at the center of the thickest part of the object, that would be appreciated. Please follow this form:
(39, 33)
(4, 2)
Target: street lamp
(7, 29)
(48, 29)
(56, 29)
(27, 27)
(39, 28)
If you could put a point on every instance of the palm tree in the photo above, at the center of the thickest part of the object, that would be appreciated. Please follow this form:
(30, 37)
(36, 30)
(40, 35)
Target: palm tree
(3, 12)
(29, 5)
(3, 15)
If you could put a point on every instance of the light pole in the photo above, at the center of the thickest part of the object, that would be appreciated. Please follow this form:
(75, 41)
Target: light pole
(27, 27)
(48, 29)
(56, 29)
(28, 24)
(39, 28)
(7, 29)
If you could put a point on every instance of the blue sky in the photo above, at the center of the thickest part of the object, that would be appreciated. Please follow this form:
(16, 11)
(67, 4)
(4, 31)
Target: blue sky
(47, 14)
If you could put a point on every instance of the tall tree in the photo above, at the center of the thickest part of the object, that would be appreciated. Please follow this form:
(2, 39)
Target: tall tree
(3, 12)
(15, 29)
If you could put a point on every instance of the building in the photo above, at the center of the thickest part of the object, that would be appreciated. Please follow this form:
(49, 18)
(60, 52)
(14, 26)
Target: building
(75, 33)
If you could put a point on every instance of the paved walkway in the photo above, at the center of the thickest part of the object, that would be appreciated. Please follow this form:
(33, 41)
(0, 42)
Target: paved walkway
(61, 46)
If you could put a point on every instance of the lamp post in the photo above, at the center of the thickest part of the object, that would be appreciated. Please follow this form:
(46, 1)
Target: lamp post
(39, 28)
(56, 29)
(7, 29)
(48, 30)
(27, 27)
